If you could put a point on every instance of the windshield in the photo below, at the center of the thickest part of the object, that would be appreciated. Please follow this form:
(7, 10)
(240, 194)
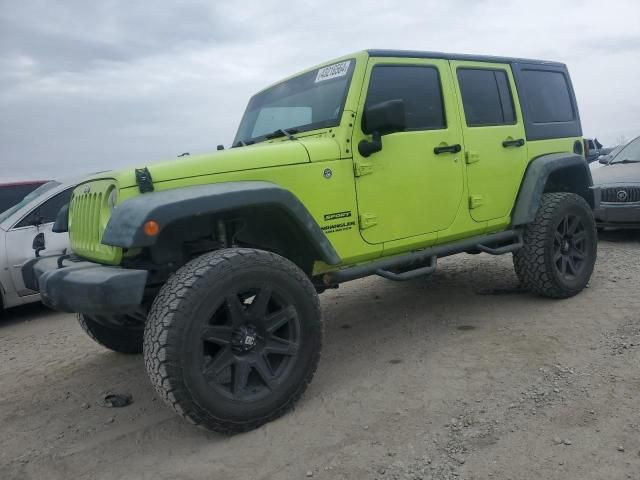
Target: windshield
(28, 199)
(629, 154)
(309, 101)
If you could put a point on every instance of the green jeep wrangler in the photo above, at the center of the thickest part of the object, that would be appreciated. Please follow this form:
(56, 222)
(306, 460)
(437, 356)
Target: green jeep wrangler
(376, 163)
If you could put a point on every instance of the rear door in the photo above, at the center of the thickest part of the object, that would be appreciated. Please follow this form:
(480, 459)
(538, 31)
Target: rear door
(494, 136)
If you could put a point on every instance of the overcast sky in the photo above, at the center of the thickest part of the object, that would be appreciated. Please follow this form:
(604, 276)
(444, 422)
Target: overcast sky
(95, 85)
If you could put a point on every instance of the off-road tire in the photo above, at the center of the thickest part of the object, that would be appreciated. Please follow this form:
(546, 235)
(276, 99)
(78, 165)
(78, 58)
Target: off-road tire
(534, 263)
(125, 338)
(186, 302)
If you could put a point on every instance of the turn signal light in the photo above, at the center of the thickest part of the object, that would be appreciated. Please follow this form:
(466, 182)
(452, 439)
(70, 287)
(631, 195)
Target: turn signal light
(151, 228)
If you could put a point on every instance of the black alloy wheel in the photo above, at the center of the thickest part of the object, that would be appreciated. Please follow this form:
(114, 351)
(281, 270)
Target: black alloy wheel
(570, 247)
(560, 247)
(250, 343)
(233, 338)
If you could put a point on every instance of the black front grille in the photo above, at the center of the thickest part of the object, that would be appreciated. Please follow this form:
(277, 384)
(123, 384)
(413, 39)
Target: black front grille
(620, 194)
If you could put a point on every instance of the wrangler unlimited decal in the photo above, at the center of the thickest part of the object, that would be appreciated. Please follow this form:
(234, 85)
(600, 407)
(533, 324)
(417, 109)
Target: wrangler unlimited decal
(338, 227)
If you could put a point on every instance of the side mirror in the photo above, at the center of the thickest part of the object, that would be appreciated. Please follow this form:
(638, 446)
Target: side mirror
(38, 243)
(603, 159)
(61, 224)
(384, 117)
(381, 119)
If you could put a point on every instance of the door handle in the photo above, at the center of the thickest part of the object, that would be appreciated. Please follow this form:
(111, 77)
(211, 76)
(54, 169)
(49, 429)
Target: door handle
(448, 149)
(513, 143)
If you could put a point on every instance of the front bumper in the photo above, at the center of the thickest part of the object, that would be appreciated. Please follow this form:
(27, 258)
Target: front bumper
(618, 215)
(73, 285)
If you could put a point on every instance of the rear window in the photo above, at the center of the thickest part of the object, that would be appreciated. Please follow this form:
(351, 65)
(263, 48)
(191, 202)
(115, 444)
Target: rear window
(548, 96)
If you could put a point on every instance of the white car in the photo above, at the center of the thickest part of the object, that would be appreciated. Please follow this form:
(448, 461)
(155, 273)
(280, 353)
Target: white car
(25, 232)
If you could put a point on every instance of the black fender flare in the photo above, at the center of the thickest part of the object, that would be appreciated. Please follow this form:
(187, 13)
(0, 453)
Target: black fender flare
(125, 227)
(535, 180)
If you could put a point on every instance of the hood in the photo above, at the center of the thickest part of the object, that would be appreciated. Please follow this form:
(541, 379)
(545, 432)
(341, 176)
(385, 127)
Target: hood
(617, 173)
(262, 155)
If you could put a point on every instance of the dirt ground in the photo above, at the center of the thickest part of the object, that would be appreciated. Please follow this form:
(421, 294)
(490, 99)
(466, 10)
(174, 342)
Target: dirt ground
(457, 376)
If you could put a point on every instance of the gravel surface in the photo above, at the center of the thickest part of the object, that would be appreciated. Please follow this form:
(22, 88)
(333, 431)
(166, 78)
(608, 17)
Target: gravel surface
(460, 375)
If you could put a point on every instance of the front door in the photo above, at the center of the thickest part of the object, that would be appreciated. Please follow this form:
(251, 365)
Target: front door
(408, 189)
(494, 137)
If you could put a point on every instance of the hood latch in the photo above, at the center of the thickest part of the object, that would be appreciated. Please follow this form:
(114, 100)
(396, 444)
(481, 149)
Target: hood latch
(144, 180)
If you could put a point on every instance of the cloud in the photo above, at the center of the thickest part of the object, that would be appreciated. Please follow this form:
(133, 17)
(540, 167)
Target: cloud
(86, 86)
(622, 44)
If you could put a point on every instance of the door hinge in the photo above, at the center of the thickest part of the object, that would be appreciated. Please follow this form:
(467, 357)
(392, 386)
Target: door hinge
(362, 168)
(368, 220)
(472, 157)
(475, 201)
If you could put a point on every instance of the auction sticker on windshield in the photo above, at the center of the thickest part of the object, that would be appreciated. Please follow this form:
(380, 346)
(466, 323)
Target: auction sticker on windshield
(333, 71)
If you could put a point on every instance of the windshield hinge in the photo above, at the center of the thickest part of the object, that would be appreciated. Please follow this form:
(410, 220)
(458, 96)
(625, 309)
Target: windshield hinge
(362, 168)
(144, 180)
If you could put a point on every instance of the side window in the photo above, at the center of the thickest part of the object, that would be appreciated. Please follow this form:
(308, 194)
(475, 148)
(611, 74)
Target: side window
(548, 96)
(486, 97)
(46, 212)
(419, 88)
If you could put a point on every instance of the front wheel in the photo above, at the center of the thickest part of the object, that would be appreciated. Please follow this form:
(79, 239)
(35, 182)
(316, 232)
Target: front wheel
(233, 339)
(560, 247)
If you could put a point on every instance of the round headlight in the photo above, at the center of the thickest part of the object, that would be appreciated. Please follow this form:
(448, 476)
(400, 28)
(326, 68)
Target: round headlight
(112, 199)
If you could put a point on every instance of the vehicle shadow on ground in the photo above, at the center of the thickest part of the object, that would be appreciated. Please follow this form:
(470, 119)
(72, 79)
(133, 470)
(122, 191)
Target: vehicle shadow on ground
(25, 313)
(620, 235)
(371, 315)
(373, 327)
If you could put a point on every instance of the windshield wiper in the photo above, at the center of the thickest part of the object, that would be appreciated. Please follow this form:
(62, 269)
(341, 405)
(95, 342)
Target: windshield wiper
(626, 160)
(282, 132)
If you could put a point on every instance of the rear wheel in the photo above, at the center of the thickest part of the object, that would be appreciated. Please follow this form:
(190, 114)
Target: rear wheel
(121, 333)
(233, 339)
(560, 247)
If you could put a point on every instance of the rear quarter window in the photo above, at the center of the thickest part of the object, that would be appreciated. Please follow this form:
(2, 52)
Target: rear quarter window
(547, 101)
(548, 96)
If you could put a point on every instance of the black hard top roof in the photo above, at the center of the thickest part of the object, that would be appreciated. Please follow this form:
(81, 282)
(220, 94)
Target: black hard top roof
(455, 56)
